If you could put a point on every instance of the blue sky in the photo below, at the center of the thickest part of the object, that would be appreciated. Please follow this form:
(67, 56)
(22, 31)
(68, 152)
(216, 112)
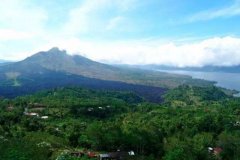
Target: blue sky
(171, 32)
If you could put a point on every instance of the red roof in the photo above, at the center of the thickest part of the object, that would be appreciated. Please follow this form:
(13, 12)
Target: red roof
(92, 154)
(217, 150)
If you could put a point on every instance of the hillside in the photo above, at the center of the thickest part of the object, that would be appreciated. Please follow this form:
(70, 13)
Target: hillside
(67, 122)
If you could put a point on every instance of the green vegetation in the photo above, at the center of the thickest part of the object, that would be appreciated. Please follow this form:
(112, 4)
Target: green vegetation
(188, 122)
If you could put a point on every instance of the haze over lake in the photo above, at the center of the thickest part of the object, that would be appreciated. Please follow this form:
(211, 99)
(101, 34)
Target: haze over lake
(222, 79)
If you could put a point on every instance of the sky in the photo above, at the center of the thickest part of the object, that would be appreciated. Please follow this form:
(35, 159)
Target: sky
(167, 32)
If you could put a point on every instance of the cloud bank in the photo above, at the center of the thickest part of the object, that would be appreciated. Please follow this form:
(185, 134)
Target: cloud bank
(224, 51)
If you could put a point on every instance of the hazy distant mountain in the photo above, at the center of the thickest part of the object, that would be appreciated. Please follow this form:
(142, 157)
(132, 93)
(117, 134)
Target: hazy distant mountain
(4, 62)
(227, 69)
(56, 68)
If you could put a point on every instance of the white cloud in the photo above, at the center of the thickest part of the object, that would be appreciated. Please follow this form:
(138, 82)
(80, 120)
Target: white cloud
(22, 23)
(21, 15)
(115, 22)
(24, 29)
(229, 11)
(93, 16)
(214, 51)
(8, 34)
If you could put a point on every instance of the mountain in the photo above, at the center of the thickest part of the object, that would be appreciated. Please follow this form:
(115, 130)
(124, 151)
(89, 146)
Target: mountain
(55, 68)
(60, 61)
(227, 69)
(4, 62)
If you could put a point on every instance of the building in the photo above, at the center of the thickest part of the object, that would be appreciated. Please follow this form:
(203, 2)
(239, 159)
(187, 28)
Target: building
(116, 155)
(217, 151)
(44, 117)
(31, 114)
(77, 154)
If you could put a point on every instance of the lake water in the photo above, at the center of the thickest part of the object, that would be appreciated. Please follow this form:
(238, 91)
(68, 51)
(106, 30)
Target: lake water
(225, 80)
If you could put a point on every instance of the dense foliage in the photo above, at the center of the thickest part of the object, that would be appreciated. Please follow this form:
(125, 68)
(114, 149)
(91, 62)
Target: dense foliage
(190, 120)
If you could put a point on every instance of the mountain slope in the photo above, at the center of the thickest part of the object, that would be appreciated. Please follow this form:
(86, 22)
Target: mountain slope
(57, 60)
(46, 70)
(55, 68)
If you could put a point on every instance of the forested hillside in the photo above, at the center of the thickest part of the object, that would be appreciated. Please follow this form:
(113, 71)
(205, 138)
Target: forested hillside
(192, 123)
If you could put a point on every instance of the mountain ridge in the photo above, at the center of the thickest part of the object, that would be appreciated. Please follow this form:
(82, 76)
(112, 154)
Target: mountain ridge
(3, 61)
(55, 68)
(59, 61)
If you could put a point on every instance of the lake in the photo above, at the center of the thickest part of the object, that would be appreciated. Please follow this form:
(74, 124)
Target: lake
(225, 80)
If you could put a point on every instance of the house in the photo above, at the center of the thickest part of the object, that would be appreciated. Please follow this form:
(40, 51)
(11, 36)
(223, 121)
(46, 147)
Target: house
(116, 155)
(90, 109)
(83, 153)
(38, 109)
(210, 149)
(37, 105)
(217, 151)
(237, 123)
(34, 112)
(131, 153)
(10, 108)
(31, 114)
(44, 117)
(91, 155)
(77, 154)
(104, 156)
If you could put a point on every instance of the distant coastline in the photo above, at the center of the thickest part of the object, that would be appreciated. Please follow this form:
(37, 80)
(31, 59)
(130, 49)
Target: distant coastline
(225, 80)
